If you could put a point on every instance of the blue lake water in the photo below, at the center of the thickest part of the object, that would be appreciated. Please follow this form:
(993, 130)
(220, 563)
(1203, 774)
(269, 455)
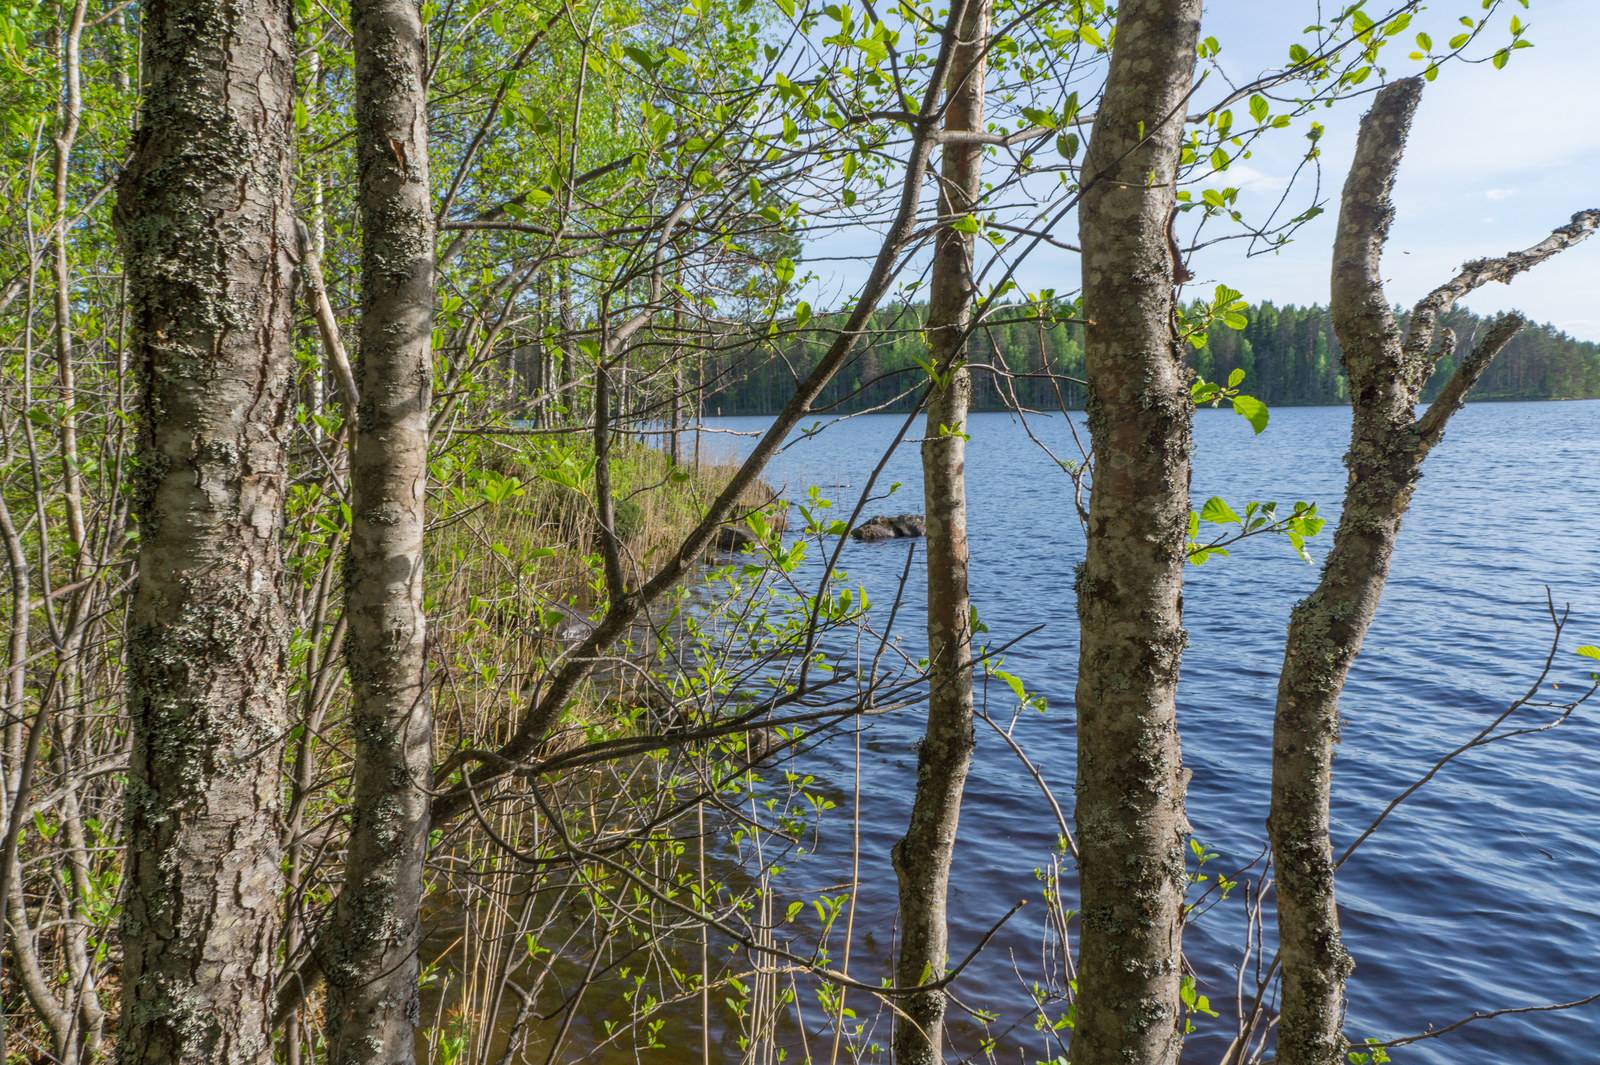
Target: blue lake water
(1481, 892)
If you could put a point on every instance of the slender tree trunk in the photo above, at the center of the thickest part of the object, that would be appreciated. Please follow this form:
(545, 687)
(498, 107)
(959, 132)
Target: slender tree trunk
(922, 857)
(605, 505)
(1388, 443)
(569, 346)
(317, 379)
(118, 34)
(205, 218)
(675, 442)
(15, 692)
(539, 414)
(1130, 816)
(66, 135)
(371, 964)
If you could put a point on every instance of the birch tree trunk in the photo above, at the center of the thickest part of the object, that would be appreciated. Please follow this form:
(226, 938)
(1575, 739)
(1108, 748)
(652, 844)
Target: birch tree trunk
(1388, 444)
(66, 134)
(922, 857)
(371, 964)
(204, 216)
(1130, 814)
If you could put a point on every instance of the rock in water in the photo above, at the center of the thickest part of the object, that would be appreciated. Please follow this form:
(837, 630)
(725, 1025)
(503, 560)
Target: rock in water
(883, 527)
(563, 624)
(734, 538)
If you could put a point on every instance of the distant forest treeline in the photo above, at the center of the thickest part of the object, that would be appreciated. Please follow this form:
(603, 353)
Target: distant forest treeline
(1289, 354)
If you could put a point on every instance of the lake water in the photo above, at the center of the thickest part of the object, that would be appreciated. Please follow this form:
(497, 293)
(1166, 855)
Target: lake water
(1481, 892)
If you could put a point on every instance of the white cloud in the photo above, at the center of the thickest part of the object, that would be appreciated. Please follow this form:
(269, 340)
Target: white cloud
(1500, 194)
(1245, 179)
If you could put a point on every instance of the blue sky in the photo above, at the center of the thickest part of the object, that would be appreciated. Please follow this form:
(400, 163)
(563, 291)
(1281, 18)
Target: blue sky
(1497, 158)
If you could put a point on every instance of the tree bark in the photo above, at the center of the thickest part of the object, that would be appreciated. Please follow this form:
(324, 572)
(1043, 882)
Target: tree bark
(371, 963)
(65, 136)
(1388, 444)
(204, 216)
(675, 442)
(605, 505)
(922, 857)
(1130, 815)
(567, 324)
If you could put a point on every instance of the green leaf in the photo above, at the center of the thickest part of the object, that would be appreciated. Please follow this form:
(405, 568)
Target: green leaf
(1217, 512)
(1252, 410)
(1234, 378)
(965, 224)
(802, 315)
(1590, 651)
(873, 50)
(787, 7)
(1015, 684)
(1039, 117)
(1258, 108)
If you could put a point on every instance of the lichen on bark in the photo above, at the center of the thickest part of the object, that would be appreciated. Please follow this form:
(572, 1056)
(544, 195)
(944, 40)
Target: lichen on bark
(203, 216)
(1386, 367)
(370, 956)
(1130, 802)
